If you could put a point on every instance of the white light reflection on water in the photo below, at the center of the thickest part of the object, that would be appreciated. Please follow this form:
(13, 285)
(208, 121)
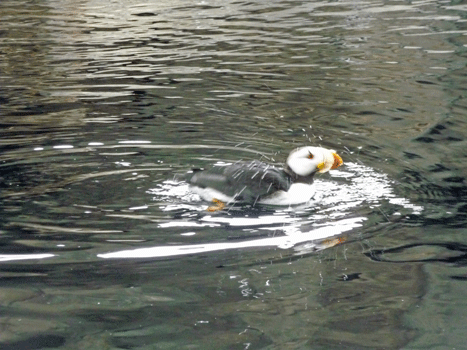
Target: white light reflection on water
(309, 227)
(15, 257)
(283, 242)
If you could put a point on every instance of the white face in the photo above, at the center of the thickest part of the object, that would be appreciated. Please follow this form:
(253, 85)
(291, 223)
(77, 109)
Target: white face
(307, 160)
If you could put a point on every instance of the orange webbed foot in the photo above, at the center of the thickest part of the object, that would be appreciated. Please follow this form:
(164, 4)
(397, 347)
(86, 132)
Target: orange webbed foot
(219, 205)
(331, 242)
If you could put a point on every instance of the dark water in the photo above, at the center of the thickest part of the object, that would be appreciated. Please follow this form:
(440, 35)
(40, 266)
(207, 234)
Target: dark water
(103, 102)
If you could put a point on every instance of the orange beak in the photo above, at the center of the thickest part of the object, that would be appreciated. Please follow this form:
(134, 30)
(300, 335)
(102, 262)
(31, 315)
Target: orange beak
(337, 161)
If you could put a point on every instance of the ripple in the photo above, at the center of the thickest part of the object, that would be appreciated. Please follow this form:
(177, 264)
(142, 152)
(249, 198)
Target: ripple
(305, 228)
(427, 252)
(285, 242)
(346, 190)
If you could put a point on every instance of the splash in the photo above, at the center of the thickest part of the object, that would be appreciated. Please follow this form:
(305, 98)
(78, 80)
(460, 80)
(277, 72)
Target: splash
(321, 223)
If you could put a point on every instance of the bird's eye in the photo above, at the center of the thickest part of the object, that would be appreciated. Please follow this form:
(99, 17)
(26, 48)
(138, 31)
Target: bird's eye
(310, 155)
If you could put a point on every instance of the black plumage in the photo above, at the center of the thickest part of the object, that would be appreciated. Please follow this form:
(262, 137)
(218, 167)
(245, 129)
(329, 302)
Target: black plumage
(248, 181)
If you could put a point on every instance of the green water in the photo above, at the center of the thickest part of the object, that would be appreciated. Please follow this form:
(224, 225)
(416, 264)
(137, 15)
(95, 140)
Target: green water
(101, 104)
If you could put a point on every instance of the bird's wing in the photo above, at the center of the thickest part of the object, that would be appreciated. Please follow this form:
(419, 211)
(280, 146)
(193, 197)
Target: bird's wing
(213, 178)
(246, 181)
(253, 180)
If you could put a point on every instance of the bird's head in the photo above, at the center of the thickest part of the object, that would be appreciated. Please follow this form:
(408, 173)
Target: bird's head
(306, 161)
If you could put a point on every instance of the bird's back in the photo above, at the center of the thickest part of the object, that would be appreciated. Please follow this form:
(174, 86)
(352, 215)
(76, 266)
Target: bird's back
(246, 181)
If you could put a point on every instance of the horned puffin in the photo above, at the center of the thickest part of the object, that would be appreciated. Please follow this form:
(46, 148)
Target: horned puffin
(255, 182)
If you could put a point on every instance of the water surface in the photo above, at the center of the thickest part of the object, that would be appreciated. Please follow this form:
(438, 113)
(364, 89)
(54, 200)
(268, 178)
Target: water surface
(103, 104)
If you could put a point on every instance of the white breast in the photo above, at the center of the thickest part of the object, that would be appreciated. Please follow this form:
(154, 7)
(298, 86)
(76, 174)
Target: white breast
(298, 193)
